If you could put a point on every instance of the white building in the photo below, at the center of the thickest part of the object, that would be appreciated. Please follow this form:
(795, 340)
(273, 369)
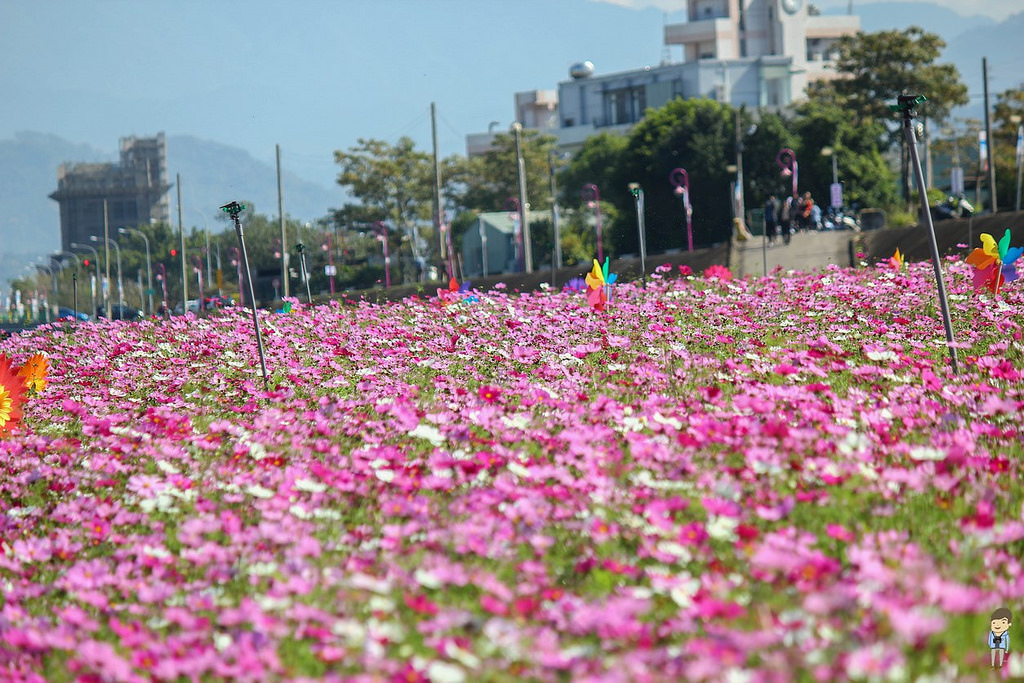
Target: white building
(755, 53)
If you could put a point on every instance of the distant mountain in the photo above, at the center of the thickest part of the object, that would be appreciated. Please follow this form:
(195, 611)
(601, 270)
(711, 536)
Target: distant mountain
(885, 16)
(212, 174)
(968, 39)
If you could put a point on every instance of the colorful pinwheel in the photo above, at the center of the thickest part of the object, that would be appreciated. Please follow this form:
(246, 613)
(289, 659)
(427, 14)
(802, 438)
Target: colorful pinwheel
(599, 285)
(994, 263)
(896, 261)
(454, 291)
(12, 394)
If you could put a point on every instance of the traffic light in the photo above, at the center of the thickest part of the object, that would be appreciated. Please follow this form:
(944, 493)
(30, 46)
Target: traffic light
(85, 262)
(174, 252)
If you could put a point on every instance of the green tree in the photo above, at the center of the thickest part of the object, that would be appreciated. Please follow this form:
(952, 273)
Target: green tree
(875, 68)
(867, 179)
(394, 183)
(1008, 116)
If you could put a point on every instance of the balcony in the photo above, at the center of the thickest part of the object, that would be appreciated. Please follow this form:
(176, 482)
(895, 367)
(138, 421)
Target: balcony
(709, 30)
(832, 26)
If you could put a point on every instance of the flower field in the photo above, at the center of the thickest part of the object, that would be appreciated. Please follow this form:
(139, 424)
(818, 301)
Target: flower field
(711, 479)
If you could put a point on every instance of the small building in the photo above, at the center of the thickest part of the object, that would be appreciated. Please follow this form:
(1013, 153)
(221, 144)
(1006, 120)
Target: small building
(133, 192)
(489, 245)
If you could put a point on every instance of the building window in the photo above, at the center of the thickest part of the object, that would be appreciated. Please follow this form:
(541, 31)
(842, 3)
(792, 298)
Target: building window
(625, 105)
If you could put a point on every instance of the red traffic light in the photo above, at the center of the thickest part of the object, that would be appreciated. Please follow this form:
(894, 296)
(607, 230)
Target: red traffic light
(85, 262)
(174, 252)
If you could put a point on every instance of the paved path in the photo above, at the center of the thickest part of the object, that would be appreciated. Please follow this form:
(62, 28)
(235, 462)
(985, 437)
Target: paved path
(806, 252)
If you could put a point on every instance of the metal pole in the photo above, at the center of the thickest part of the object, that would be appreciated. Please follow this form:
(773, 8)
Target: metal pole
(280, 217)
(556, 249)
(149, 263)
(74, 293)
(106, 250)
(305, 273)
(989, 141)
(906, 104)
(638, 198)
(233, 209)
(181, 238)
(439, 223)
(1020, 160)
(524, 205)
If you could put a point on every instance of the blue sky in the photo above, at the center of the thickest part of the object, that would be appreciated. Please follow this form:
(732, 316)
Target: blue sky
(310, 75)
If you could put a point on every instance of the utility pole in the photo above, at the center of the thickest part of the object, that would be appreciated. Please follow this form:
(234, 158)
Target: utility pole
(989, 142)
(440, 227)
(280, 218)
(524, 214)
(181, 237)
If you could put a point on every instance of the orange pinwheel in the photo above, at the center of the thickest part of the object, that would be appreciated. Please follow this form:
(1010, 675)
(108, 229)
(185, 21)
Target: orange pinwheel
(12, 395)
(34, 372)
(896, 260)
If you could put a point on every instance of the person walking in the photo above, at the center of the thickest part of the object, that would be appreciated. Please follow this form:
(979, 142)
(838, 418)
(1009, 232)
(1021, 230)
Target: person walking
(771, 209)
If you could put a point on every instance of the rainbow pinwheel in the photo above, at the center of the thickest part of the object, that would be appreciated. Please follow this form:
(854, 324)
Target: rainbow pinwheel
(896, 260)
(599, 285)
(994, 263)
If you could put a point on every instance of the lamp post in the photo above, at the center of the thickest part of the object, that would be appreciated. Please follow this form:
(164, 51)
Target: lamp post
(680, 180)
(96, 262)
(638, 198)
(556, 253)
(149, 264)
(593, 199)
(381, 231)
(524, 204)
(786, 159)
(512, 205)
(120, 282)
(835, 191)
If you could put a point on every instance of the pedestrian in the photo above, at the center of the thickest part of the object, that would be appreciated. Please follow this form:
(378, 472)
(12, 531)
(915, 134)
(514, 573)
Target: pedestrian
(771, 208)
(805, 208)
(787, 219)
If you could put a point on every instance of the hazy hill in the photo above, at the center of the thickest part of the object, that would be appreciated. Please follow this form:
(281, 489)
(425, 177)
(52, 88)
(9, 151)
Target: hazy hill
(212, 174)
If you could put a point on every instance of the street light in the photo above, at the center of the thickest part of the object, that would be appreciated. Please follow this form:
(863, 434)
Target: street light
(524, 203)
(835, 191)
(149, 264)
(556, 253)
(593, 199)
(120, 282)
(512, 205)
(96, 262)
(681, 182)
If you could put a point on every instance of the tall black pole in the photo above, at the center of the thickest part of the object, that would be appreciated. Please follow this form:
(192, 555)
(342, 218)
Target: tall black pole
(233, 209)
(989, 142)
(906, 105)
(181, 238)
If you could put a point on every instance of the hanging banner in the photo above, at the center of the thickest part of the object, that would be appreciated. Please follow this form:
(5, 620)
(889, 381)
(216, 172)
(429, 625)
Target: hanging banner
(1020, 144)
(982, 150)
